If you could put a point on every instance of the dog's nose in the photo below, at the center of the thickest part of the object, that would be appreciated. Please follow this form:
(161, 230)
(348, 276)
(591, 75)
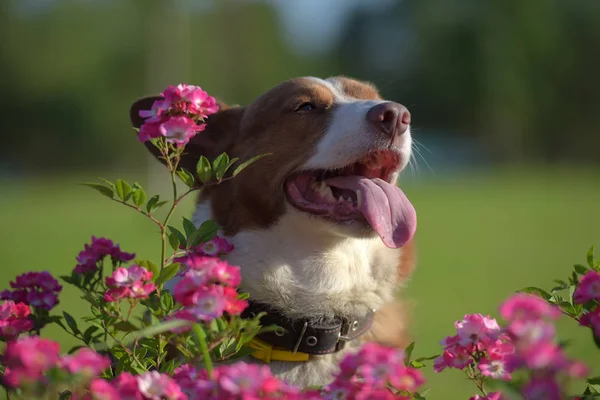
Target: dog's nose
(391, 118)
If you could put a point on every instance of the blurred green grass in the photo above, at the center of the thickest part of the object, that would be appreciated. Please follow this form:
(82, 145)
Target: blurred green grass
(481, 236)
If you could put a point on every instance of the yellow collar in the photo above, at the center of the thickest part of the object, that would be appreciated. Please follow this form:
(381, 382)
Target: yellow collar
(267, 352)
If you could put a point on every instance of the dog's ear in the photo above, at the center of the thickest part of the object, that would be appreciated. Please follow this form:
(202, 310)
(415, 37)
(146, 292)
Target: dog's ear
(216, 138)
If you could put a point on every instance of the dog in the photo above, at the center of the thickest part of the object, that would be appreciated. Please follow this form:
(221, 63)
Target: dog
(321, 231)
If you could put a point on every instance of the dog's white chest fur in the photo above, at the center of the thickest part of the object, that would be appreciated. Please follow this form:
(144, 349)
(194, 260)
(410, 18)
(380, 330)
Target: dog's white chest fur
(299, 269)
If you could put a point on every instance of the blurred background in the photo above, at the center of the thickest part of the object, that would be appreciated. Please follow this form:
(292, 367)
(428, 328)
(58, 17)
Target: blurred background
(504, 94)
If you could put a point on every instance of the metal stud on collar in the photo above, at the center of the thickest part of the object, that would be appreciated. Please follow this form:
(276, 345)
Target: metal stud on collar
(300, 338)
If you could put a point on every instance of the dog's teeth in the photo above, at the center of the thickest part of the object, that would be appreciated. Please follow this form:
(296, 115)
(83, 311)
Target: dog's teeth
(341, 199)
(358, 199)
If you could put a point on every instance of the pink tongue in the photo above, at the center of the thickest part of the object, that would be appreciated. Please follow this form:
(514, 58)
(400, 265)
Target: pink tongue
(385, 207)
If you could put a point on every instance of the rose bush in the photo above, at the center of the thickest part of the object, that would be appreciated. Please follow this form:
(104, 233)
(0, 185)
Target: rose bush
(140, 341)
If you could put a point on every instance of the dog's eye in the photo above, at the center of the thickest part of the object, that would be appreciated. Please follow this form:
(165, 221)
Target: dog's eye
(306, 107)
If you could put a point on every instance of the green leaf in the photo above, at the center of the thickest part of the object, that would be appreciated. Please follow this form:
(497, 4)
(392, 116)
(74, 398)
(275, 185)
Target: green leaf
(166, 300)
(247, 163)
(580, 269)
(173, 241)
(125, 326)
(590, 257)
(416, 364)
(243, 296)
(72, 323)
(123, 189)
(188, 227)
(139, 196)
(207, 231)
(408, 352)
(427, 358)
(108, 192)
(89, 332)
(204, 170)
(186, 177)
(167, 273)
(177, 232)
(593, 381)
(536, 291)
(152, 203)
(220, 166)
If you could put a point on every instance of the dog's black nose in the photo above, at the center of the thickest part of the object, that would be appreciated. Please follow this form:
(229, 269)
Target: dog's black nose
(391, 118)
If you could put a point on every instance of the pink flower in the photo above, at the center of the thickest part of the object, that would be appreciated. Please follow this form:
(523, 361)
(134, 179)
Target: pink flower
(38, 289)
(214, 247)
(236, 381)
(588, 289)
(156, 386)
(88, 258)
(86, 362)
(126, 277)
(205, 270)
(206, 304)
(127, 386)
(542, 388)
(525, 306)
(159, 107)
(28, 358)
(476, 328)
(103, 390)
(14, 319)
(495, 368)
(180, 129)
(190, 99)
(592, 319)
(133, 282)
(527, 332)
(149, 131)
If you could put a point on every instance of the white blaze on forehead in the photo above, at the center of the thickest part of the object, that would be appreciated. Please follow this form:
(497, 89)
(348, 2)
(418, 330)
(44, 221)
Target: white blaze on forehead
(349, 135)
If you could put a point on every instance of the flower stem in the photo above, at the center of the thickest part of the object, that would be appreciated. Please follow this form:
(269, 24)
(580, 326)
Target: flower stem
(201, 335)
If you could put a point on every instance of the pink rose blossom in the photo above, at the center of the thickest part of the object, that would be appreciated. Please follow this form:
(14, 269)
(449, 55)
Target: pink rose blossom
(37, 289)
(149, 131)
(180, 130)
(103, 390)
(215, 247)
(156, 386)
(133, 282)
(159, 107)
(525, 306)
(588, 289)
(88, 258)
(495, 368)
(236, 381)
(206, 304)
(14, 319)
(28, 358)
(86, 362)
(476, 328)
(592, 319)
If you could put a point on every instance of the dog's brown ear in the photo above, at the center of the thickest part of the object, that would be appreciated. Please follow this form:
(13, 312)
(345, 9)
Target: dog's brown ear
(220, 130)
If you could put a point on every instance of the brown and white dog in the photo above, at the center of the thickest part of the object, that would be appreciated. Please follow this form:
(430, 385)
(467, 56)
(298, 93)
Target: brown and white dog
(320, 228)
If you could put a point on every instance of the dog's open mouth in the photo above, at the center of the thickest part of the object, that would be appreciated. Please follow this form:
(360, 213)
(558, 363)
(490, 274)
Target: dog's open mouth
(359, 191)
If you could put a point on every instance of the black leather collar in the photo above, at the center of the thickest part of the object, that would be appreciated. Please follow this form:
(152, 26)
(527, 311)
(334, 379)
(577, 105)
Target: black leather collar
(301, 335)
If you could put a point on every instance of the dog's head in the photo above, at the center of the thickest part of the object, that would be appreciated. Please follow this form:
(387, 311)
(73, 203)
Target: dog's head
(336, 151)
